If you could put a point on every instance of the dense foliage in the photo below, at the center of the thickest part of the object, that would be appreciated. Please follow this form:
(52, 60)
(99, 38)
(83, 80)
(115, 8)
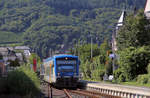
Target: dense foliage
(132, 62)
(135, 32)
(94, 68)
(58, 24)
(14, 63)
(23, 81)
(133, 41)
(30, 60)
(145, 78)
(1, 56)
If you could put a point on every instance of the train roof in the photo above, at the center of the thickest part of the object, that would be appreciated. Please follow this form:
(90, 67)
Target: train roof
(59, 56)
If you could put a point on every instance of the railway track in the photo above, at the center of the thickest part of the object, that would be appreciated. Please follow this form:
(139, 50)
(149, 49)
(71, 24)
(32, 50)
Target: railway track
(51, 92)
(89, 94)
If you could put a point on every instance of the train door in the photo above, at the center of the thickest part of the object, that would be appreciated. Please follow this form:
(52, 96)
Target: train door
(47, 72)
(51, 71)
(54, 77)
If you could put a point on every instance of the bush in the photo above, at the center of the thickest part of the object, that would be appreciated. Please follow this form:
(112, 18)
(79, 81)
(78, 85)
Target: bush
(143, 79)
(149, 80)
(98, 74)
(1, 56)
(148, 68)
(119, 76)
(14, 63)
(3, 87)
(133, 62)
(23, 81)
(109, 67)
(122, 78)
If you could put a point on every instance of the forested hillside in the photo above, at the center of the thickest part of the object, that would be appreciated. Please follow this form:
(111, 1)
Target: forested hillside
(55, 24)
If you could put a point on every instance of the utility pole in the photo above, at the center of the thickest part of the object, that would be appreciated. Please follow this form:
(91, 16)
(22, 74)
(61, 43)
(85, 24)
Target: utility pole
(50, 52)
(113, 63)
(75, 51)
(113, 51)
(78, 48)
(91, 47)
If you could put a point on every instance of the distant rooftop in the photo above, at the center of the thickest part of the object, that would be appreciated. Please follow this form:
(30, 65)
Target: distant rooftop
(18, 54)
(10, 48)
(22, 47)
(121, 19)
(2, 49)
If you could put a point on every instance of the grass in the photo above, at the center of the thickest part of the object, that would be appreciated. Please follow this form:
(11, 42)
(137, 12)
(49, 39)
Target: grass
(131, 83)
(134, 83)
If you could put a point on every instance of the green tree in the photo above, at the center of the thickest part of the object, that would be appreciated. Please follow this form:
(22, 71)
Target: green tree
(132, 63)
(14, 63)
(34, 56)
(47, 24)
(96, 67)
(134, 32)
(85, 51)
(23, 81)
(105, 50)
(1, 56)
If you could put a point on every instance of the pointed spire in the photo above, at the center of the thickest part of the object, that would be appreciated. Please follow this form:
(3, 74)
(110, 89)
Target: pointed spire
(147, 9)
(135, 11)
(121, 20)
(119, 24)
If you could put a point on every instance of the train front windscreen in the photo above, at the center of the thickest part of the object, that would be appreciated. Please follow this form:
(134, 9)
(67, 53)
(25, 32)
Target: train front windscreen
(66, 65)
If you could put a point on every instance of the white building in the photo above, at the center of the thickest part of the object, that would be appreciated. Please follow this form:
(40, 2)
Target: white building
(147, 9)
(114, 35)
(7, 54)
(25, 49)
(12, 53)
(19, 56)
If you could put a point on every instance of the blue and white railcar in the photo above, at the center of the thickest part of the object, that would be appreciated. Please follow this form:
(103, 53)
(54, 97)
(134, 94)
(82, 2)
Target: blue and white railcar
(62, 70)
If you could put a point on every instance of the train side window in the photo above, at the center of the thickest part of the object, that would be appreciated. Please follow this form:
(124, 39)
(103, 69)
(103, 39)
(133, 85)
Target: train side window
(47, 70)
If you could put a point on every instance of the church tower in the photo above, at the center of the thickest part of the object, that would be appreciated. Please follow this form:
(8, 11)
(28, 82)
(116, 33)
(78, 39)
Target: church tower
(147, 9)
(114, 35)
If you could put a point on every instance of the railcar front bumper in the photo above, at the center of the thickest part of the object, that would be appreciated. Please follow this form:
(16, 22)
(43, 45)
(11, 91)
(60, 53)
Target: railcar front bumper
(67, 81)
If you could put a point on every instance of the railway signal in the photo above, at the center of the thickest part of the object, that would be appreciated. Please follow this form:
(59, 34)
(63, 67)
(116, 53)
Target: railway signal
(34, 65)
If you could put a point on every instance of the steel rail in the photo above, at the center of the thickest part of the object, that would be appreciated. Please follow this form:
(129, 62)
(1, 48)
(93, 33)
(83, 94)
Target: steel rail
(67, 93)
(100, 94)
(92, 94)
(84, 94)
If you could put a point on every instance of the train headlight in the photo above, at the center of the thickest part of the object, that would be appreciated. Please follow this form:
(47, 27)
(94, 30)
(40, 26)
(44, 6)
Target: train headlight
(75, 74)
(58, 74)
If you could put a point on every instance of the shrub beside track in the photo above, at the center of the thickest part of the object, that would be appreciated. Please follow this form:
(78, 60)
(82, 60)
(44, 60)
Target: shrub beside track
(22, 81)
